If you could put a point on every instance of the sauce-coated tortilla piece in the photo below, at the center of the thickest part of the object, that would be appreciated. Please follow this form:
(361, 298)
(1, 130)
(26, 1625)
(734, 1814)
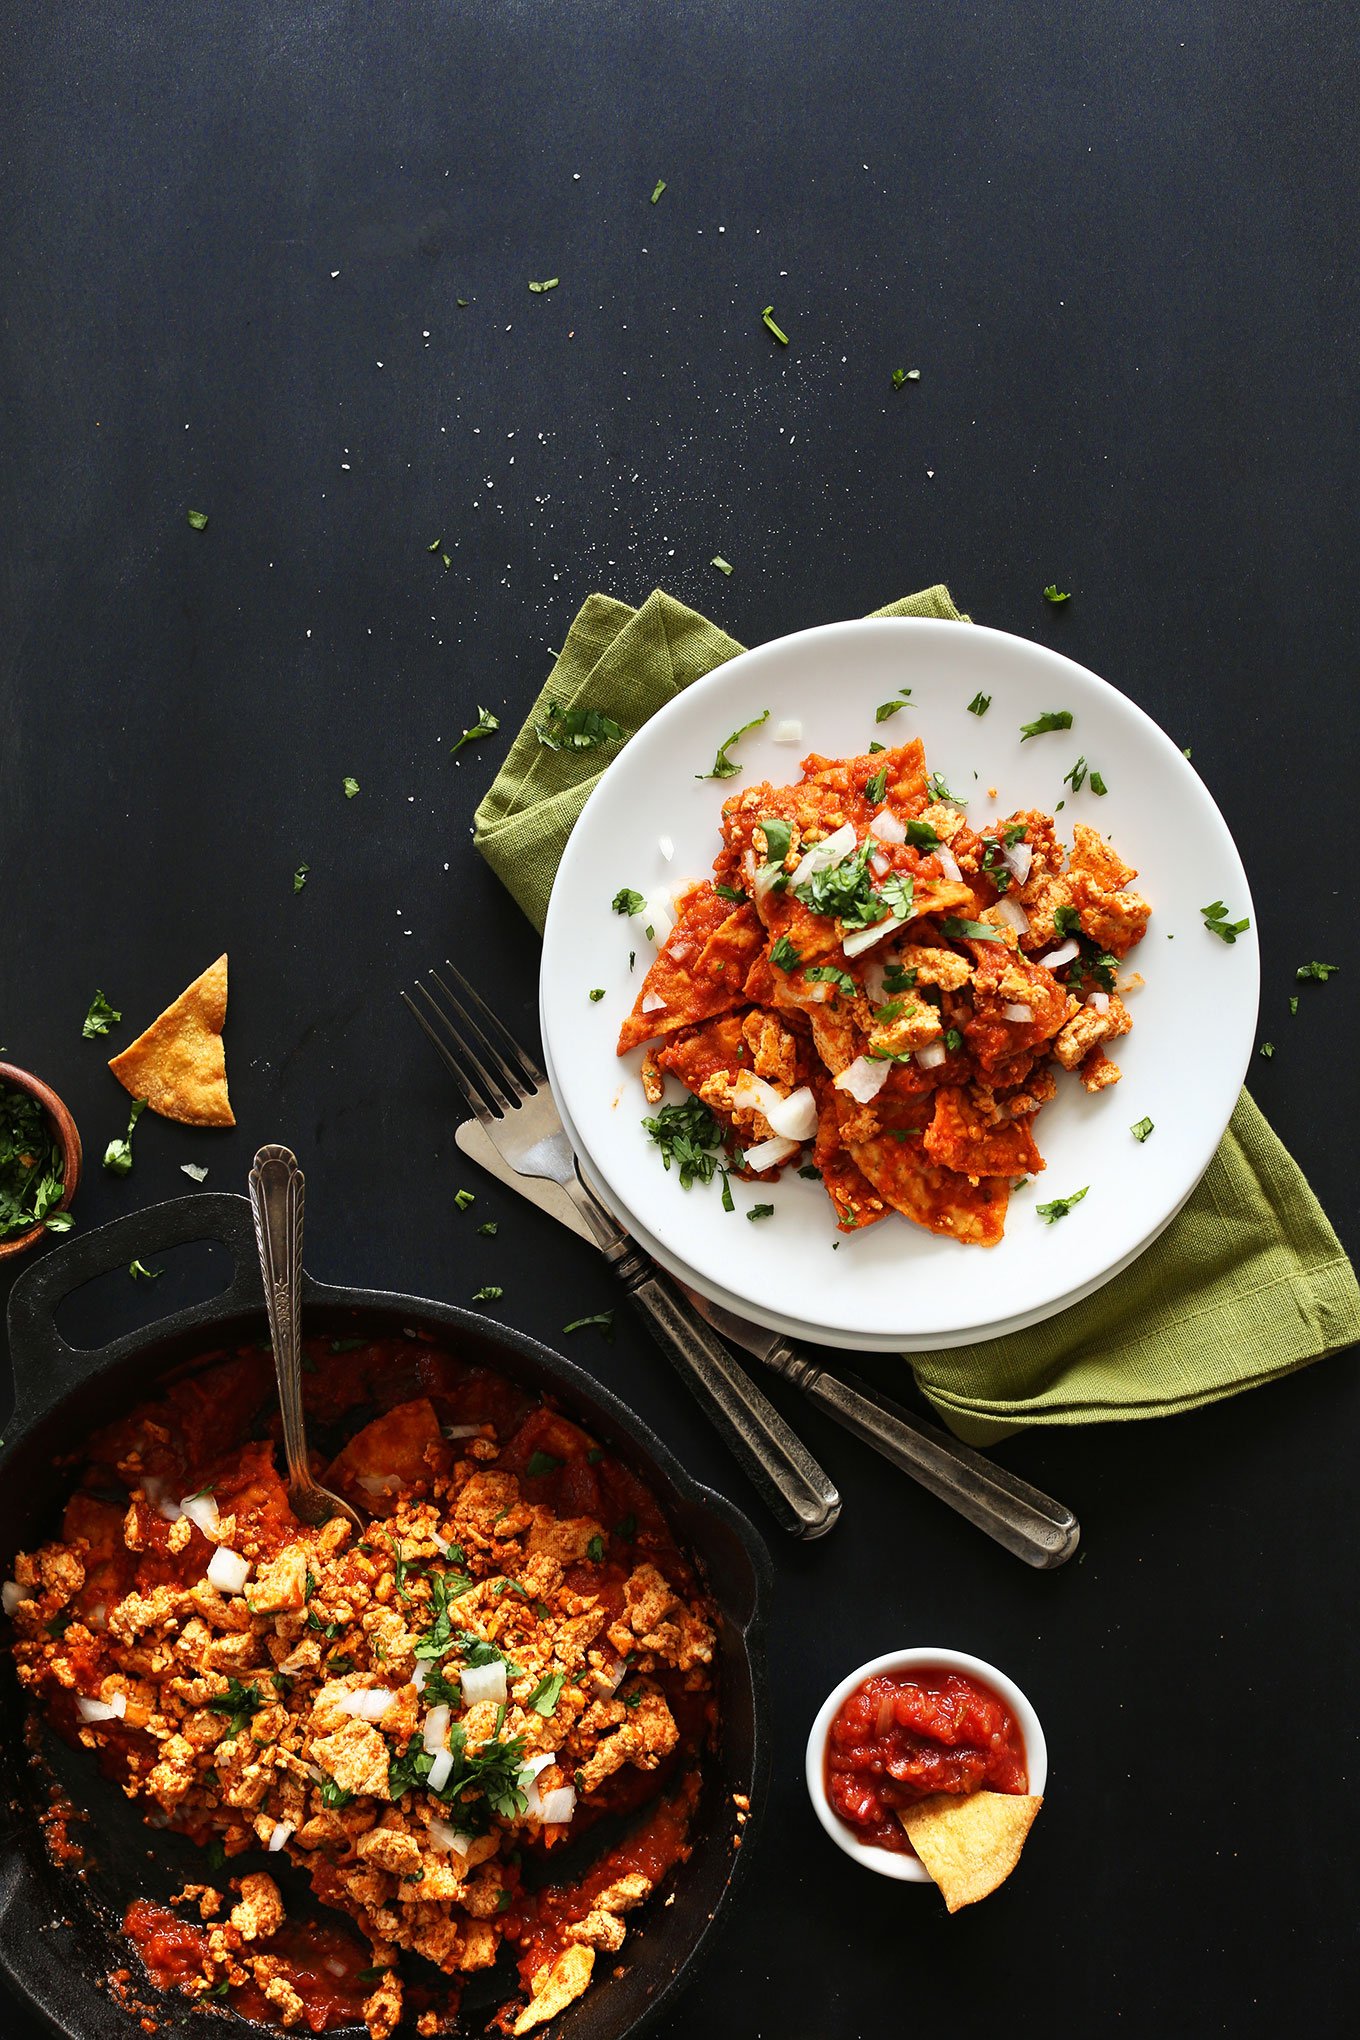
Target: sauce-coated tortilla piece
(515, 1652)
(927, 980)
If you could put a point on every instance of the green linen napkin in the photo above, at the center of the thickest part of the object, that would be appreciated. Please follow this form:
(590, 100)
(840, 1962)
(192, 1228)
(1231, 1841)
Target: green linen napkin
(1248, 1281)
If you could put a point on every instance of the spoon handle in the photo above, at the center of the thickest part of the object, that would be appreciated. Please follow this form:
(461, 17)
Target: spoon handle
(276, 1199)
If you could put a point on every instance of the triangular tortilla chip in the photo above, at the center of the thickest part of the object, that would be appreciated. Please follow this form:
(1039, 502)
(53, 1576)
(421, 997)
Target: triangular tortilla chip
(969, 1842)
(179, 1065)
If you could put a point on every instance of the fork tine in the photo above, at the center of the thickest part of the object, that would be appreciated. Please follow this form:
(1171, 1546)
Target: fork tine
(504, 1071)
(533, 1075)
(486, 1098)
(469, 1096)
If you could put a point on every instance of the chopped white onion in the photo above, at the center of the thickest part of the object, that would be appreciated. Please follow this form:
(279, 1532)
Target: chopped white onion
(484, 1682)
(227, 1570)
(1056, 958)
(1014, 1010)
(657, 916)
(528, 1781)
(947, 862)
(420, 1675)
(314, 1771)
(11, 1594)
(1100, 1001)
(678, 951)
(436, 1728)
(880, 865)
(932, 1055)
(282, 1830)
(457, 1431)
(379, 1483)
(439, 1834)
(874, 987)
(98, 1616)
(768, 1154)
(666, 847)
(335, 1966)
(887, 827)
(606, 1682)
(202, 1513)
(652, 1002)
(1017, 858)
(1132, 983)
(764, 879)
(440, 1770)
(101, 1710)
(865, 1077)
(860, 939)
(791, 1118)
(1013, 914)
(834, 849)
(158, 1494)
(790, 732)
(559, 1806)
(370, 1703)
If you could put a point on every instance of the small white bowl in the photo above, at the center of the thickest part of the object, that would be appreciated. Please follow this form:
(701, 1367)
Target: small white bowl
(909, 1869)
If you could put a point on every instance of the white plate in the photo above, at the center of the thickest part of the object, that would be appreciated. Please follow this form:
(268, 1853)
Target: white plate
(1183, 1064)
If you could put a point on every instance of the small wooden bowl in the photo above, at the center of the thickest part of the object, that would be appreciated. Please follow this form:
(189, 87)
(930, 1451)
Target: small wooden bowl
(68, 1140)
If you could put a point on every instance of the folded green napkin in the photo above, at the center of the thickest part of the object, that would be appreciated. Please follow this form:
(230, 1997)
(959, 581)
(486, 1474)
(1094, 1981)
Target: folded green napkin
(1248, 1281)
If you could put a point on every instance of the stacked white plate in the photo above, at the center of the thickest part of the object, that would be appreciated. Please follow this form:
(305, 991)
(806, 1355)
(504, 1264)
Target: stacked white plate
(894, 1286)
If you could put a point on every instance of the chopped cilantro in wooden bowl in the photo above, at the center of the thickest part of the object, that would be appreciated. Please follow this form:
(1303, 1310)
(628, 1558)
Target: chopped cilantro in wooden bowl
(39, 1161)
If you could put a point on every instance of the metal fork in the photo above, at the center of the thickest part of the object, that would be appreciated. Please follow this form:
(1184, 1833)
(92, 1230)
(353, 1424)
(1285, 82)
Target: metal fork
(509, 1095)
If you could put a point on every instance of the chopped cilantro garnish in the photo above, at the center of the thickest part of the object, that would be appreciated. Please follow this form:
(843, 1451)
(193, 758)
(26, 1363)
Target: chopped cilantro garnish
(897, 977)
(813, 1175)
(975, 931)
(723, 766)
(1067, 920)
(31, 1167)
(627, 1529)
(199, 519)
(489, 1230)
(1217, 922)
(1098, 784)
(767, 318)
(118, 1153)
(594, 1456)
(778, 835)
(300, 877)
(349, 1345)
(1076, 778)
(761, 1211)
(1320, 971)
(602, 1321)
(541, 1463)
(733, 893)
(1293, 1004)
(784, 956)
(939, 791)
(549, 283)
(597, 995)
(434, 545)
(827, 973)
(138, 1272)
(1140, 1129)
(1059, 1208)
(727, 1203)
(491, 1292)
(660, 187)
(351, 786)
(923, 834)
(1014, 834)
(578, 729)
(889, 708)
(463, 1198)
(1051, 719)
(626, 901)
(723, 566)
(547, 1693)
(953, 1040)
(1267, 1049)
(979, 704)
(686, 1135)
(98, 1019)
(875, 788)
(1052, 593)
(240, 1702)
(485, 725)
(595, 1550)
(875, 748)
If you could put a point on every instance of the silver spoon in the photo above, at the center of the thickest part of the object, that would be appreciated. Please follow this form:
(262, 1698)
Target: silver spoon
(276, 1187)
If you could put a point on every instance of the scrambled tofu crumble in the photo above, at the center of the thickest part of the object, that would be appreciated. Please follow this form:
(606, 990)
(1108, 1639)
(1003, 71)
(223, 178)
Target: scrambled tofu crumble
(415, 1716)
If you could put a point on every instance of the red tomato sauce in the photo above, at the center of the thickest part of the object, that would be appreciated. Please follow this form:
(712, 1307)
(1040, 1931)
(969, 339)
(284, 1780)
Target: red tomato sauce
(903, 1735)
(321, 1963)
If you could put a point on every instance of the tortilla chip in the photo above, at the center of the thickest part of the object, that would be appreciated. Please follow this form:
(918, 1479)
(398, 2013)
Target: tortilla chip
(970, 1842)
(179, 1065)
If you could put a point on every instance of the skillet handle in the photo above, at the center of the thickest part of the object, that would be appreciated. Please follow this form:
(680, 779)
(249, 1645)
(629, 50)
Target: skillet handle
(45, 1367)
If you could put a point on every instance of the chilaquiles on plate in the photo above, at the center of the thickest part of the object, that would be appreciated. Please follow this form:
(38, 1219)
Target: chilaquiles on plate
(869, 972)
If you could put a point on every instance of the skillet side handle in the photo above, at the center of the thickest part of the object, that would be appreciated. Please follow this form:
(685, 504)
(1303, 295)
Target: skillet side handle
(45, 1367)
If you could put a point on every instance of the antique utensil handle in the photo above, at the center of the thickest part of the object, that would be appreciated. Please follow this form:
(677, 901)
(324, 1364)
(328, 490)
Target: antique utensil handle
(276, 1199)
(798, 1494)
(1042, 1532)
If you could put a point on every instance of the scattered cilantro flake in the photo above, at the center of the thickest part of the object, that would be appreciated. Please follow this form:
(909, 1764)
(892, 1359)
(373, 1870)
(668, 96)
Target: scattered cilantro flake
(485, 725)
(727, 1200)
(547, 1693)
(660, 187)
(1051, 719)
(434, 545)
(939, 791)
(733, 893)
(627, 1529)
(1076, 778)
(761, 1211)
(875, 747)
(1267, 1049)
(351, 786)
(488, 1229)
(720, 563)
(300, 877)
(138, 1271)
(813, 1175)
(975, 931)
(767, 316)
(597, 995)
(595, 1550)
(463, 1198)
(687, 1135)
(875, 788)
(923, 834)
(1140, 1130)
(778, 835)
(1217, 922)
(578, 729)
(1293, 1004)
(199, 519)
(548, 283)
(899, 376)
(491, 1293)
(239, 1702)
(602, 1321)
(1059, 1208)
(1098, 784)
(118, 1153)
(886, 709)
(979, 704)
(953, 1040)
(784, 956)
(723, 767)
(626, 901)
(99, 1017)
(194, 1169)
(1320, 971)
(1067, 920)
(632, 959)
(541, 1463)
(827, 973)
(1052, 593)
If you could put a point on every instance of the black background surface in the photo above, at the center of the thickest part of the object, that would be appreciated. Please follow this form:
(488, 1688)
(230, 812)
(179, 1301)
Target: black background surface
(1118, 241)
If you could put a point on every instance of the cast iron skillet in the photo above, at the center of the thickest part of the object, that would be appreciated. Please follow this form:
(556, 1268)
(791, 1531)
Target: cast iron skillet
(58, 1930)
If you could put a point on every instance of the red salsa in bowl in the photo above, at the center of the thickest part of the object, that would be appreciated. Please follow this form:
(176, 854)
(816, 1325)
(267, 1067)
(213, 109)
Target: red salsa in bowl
(903, 1735)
